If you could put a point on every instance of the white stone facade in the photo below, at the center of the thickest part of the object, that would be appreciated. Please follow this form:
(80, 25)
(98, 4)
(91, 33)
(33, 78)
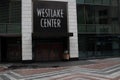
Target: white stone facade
(27, 27)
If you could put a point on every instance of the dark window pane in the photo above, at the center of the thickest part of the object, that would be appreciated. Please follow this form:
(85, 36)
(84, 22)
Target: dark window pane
(98, 2)
(81, 28)
(106, 2)
(80, 1)
(80, 14)
(15, 12)
(4, 11)
(102, 15)
(88, 1)
(114, 15)
(89, 14)
(114, 2)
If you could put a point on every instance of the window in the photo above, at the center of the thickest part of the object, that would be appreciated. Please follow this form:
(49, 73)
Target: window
(15, 12)
(88, 1)
(4, 11)
(89, 14)
(93, 17)
(80, 14)
(106, 2)
(102, 15)
(80, 1)
(98, 2)
(114, 2)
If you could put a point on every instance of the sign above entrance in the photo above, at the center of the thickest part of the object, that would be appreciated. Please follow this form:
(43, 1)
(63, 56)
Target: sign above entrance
(50, 17)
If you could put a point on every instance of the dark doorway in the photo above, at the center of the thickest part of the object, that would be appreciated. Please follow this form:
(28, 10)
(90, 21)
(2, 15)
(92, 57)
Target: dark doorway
(49, 50)
(11, 49)
(3, 49)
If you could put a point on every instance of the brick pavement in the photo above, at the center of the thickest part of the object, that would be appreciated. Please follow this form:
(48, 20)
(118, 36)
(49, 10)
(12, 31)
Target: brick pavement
(26, 72)
(101, 69)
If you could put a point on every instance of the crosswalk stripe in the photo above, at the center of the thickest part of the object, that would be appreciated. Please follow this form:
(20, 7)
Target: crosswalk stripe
(1, 78)
(114, 75)
(10, 77)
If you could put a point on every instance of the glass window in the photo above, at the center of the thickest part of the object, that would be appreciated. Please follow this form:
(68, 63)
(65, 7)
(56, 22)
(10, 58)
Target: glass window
(102, 14)
(80, 1)
(80, 14)
(82, 46)
(89, 14)
(15, 12)
(114, 15)
(116, 46)
(10, 11)
(4, 11)
(81, 28)
(114, 2)
(88, 1)
(90, 28)
(98, 2)
(106, 2)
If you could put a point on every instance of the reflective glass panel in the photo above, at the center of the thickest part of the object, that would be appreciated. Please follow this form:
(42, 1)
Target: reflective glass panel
(97, 2)
(80, 1)
(88, 1)
(106, 2)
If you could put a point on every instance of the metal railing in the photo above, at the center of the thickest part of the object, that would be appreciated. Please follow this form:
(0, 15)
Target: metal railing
(10, 28)
(99, 28)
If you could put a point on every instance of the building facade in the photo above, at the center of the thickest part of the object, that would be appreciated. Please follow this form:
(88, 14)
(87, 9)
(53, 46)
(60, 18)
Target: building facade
(98, 28)
(10, 30)
(43, 30)
(46, 29)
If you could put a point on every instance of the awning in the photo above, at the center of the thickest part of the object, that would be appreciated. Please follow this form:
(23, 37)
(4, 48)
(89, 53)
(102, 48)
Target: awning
(51, 35)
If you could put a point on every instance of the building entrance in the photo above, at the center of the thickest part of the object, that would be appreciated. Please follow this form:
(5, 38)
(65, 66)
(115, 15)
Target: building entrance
(48, 50)
(10, 49)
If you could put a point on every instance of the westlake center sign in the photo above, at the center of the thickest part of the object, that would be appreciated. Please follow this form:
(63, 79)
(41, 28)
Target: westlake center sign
(50, 17)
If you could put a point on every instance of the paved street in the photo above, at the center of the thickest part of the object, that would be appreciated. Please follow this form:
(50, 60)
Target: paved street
(99, 69)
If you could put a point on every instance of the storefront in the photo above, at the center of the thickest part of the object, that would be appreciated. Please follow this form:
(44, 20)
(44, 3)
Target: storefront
(46, 29)
(37, 30)
(51, 30)
(98, 28)
(50, 36)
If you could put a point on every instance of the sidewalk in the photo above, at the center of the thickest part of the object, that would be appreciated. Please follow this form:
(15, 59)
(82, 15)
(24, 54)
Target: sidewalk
(45, 64)
(99, 69)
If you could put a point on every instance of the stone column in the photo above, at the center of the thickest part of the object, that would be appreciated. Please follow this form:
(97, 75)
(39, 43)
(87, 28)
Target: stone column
(26, 30)
(72, 17)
